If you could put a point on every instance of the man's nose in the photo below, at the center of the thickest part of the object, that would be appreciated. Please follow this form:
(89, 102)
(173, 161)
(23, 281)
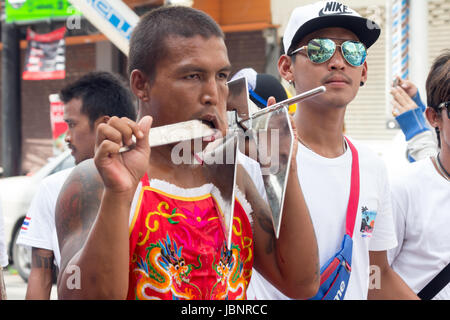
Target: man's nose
(67, 136)
(210, 92)
(337, 61)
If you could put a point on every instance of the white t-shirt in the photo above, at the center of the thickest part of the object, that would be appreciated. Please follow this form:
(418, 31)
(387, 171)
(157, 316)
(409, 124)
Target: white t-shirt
(421, 207)
(325, 184)
(3, 251)
(39, 230)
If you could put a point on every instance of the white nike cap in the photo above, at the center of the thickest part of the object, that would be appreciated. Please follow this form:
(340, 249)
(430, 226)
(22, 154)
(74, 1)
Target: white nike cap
(326, 14)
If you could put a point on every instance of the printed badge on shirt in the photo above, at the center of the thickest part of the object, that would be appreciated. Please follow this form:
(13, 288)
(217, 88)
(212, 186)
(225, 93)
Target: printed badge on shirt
(25, 224)
(367, 222)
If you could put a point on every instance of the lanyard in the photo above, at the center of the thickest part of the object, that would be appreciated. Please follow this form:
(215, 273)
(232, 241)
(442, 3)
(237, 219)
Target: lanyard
(352, 207)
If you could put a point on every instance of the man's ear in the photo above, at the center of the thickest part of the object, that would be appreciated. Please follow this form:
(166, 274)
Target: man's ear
(139, 84)
(364, 73)
(432, 116)
(285, 68)
(102, 119)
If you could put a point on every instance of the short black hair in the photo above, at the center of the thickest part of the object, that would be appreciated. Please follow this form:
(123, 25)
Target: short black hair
(147, 42)
(438, 81)
(101, 94)
(438, 84)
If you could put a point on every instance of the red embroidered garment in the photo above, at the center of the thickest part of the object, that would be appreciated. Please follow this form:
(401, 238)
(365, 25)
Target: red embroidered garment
(178, 249)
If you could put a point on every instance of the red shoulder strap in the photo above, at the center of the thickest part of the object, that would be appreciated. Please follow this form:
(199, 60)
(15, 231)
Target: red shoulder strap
(144, 180)
(352, 207)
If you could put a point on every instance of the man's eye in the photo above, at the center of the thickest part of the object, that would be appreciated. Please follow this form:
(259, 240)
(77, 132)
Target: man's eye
(193, 77)
(223, 75)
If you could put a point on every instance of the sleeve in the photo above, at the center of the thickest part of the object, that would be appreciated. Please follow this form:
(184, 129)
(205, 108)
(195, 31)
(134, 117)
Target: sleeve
(421, 146)
(399, 217)
(384, 237)
(36, 231)
(412, 122)
(418, 101)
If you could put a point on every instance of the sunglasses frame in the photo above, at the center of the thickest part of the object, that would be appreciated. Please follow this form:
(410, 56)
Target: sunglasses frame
(444, 105)
(335, 46)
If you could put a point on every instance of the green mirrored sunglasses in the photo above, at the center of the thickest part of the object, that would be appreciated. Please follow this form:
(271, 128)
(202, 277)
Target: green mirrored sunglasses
(321, 50)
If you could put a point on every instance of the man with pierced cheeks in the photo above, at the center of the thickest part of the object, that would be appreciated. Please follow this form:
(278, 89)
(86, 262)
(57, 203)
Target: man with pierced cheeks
(140, 227)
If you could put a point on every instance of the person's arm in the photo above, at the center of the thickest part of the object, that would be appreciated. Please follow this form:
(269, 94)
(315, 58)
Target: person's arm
(391, 285)
(76, 211)
(93, 212)
(407, 113)
(291, 262)
(408, 110)
(40, 280)
(421, 146)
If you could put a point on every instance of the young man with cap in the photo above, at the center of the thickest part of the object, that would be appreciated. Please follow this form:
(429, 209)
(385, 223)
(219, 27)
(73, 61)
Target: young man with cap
(325, 45)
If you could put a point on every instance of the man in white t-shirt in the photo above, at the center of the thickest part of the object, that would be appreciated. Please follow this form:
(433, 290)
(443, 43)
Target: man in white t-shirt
(88, 102)
(421, 197)
(3, 256)
(326, 45)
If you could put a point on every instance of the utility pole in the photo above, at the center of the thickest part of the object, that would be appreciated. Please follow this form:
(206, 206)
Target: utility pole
(11, 104)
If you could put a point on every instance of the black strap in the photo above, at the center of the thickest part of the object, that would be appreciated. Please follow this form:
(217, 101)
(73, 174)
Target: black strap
(436, 285)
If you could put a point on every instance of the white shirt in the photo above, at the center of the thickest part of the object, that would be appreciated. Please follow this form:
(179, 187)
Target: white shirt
(254, 171)
(39, 230)
(421, 207)
(3, 251)
(325, 184)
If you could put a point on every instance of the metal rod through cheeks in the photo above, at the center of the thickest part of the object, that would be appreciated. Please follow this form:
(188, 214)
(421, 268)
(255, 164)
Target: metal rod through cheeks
(288, 102)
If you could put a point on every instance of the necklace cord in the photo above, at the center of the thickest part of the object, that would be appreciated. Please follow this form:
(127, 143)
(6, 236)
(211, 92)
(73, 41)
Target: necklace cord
(441, 168)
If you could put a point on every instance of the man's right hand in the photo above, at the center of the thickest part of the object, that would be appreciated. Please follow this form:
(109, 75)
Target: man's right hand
(121, 172)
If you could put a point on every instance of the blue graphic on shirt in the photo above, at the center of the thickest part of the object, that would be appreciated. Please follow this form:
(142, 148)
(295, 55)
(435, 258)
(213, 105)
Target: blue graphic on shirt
(367, 222)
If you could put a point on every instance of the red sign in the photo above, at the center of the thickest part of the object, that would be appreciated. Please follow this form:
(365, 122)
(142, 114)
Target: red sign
(46, 56)
(59, 127)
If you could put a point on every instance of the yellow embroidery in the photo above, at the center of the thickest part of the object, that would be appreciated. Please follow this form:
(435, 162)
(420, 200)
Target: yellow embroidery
(155, 226)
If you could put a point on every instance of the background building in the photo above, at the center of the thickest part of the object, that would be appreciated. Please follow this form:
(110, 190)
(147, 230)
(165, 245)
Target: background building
(253, 31)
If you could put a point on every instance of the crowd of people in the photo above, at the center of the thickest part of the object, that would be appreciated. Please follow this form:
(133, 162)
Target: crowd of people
(138, 226)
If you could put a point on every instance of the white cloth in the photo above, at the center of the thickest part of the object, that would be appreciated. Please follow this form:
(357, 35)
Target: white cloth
(39, 230)
(326, 186)
(421, 207)
(254, 171)
(3, 251)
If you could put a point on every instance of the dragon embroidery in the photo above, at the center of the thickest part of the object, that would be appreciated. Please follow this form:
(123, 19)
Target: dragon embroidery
(165, 270)
(229, 272)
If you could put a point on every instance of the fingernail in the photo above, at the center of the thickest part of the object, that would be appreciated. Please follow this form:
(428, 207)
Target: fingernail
(209, 139)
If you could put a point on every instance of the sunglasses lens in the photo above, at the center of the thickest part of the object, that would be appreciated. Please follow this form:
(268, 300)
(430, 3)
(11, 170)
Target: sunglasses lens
(320, 50)
(354, 52)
